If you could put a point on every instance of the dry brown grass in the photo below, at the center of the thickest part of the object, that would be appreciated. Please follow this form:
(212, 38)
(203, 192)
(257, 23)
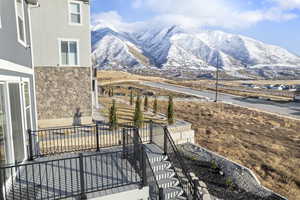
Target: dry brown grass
(238, 83)
(125, 112)
(266, 143)
(110, 77)
(232, 87)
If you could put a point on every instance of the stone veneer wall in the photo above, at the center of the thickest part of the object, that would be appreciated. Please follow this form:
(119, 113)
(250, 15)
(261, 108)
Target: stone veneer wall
(60, 90)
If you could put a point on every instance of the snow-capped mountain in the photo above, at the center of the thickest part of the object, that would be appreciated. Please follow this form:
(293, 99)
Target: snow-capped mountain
(172, 47)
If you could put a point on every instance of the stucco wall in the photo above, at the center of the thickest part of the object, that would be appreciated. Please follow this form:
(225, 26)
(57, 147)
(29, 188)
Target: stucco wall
(50, 22)
(60, 90)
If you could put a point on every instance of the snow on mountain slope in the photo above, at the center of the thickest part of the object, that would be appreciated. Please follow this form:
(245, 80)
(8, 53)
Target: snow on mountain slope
(112, 51)
(174, 47)
(248, 50)
(156, 42)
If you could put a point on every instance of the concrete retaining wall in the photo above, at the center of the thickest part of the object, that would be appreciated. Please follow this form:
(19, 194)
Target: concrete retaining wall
(182, 132)
(241, 175)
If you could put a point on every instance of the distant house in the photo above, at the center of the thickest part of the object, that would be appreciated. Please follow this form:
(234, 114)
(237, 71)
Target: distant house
(278, 87)
(297, 93)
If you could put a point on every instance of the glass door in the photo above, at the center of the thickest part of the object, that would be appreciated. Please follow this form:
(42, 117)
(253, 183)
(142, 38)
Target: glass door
(6, 151)
(17, 121)
(3, 128)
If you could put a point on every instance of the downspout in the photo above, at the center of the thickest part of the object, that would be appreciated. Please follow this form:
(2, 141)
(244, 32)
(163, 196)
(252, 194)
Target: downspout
(32, 60)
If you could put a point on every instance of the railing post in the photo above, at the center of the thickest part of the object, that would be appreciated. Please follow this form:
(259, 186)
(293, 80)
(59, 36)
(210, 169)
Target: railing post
(30, 145)
(161, 194)
(135, 144)
(151, 131)
(82, 188)
(124, 143)
(143, 166)
(195, 189)
(97, 137)
(165, 141)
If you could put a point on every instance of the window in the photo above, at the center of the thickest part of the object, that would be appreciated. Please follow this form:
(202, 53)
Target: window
(69, 52)
(75, 13)
(20, 21)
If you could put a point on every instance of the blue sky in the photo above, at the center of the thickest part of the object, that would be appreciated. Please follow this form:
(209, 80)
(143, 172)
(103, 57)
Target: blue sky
(272, 21)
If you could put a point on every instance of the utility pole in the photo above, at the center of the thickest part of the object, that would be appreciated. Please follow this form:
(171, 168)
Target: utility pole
(217, 79)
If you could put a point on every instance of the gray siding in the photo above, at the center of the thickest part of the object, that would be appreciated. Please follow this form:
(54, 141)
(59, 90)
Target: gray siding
(10, 48)
(50, 22)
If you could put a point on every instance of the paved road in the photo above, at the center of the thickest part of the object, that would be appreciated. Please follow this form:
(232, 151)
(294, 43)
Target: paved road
(291, 109)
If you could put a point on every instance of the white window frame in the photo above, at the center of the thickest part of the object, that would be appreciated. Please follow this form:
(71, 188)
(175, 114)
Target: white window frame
(59, 51)
(24, 43)
(70, 14)
(26, 80)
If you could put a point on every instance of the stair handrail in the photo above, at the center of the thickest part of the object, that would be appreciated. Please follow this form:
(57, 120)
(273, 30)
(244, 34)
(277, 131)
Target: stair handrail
(194, 192)
(142, 164)
(147, 161)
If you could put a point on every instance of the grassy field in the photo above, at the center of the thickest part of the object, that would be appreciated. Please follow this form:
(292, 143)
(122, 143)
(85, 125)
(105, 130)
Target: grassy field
(115, 77)
(110, 77)
(267, 144)
(235, 88)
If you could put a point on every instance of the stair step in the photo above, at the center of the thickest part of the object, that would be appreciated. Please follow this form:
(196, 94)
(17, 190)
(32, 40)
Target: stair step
(165, 174)
(169, 182)
(157, 158)
(180, 198)
(173, 192)
(162, 165)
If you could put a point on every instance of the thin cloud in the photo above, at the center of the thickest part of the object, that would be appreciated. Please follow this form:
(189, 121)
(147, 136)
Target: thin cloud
(220, 13)
(288, 4)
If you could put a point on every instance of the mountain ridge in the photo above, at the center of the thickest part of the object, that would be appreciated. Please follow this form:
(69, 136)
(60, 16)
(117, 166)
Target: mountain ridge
(172, 47)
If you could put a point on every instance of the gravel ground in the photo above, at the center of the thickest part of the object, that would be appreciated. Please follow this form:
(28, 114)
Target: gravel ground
(224, 179)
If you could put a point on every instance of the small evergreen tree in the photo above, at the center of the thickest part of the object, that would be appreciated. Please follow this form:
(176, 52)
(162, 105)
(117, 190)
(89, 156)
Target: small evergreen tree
(138, 114)
(146, 103)
(113, 119)
(170, 113)
(155, 106)
(131, 98)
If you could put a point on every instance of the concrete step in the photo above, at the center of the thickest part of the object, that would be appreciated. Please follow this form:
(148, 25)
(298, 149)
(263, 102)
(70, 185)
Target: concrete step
(169, 182)
(162, 165)
(173, 192)
(180, 198)
(153, 158)
(165, 174)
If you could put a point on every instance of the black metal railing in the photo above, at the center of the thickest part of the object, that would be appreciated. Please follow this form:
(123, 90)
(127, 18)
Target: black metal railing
(68, 177)
(97, 169)
(140, 160)
(54, 141)
(162, 138)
